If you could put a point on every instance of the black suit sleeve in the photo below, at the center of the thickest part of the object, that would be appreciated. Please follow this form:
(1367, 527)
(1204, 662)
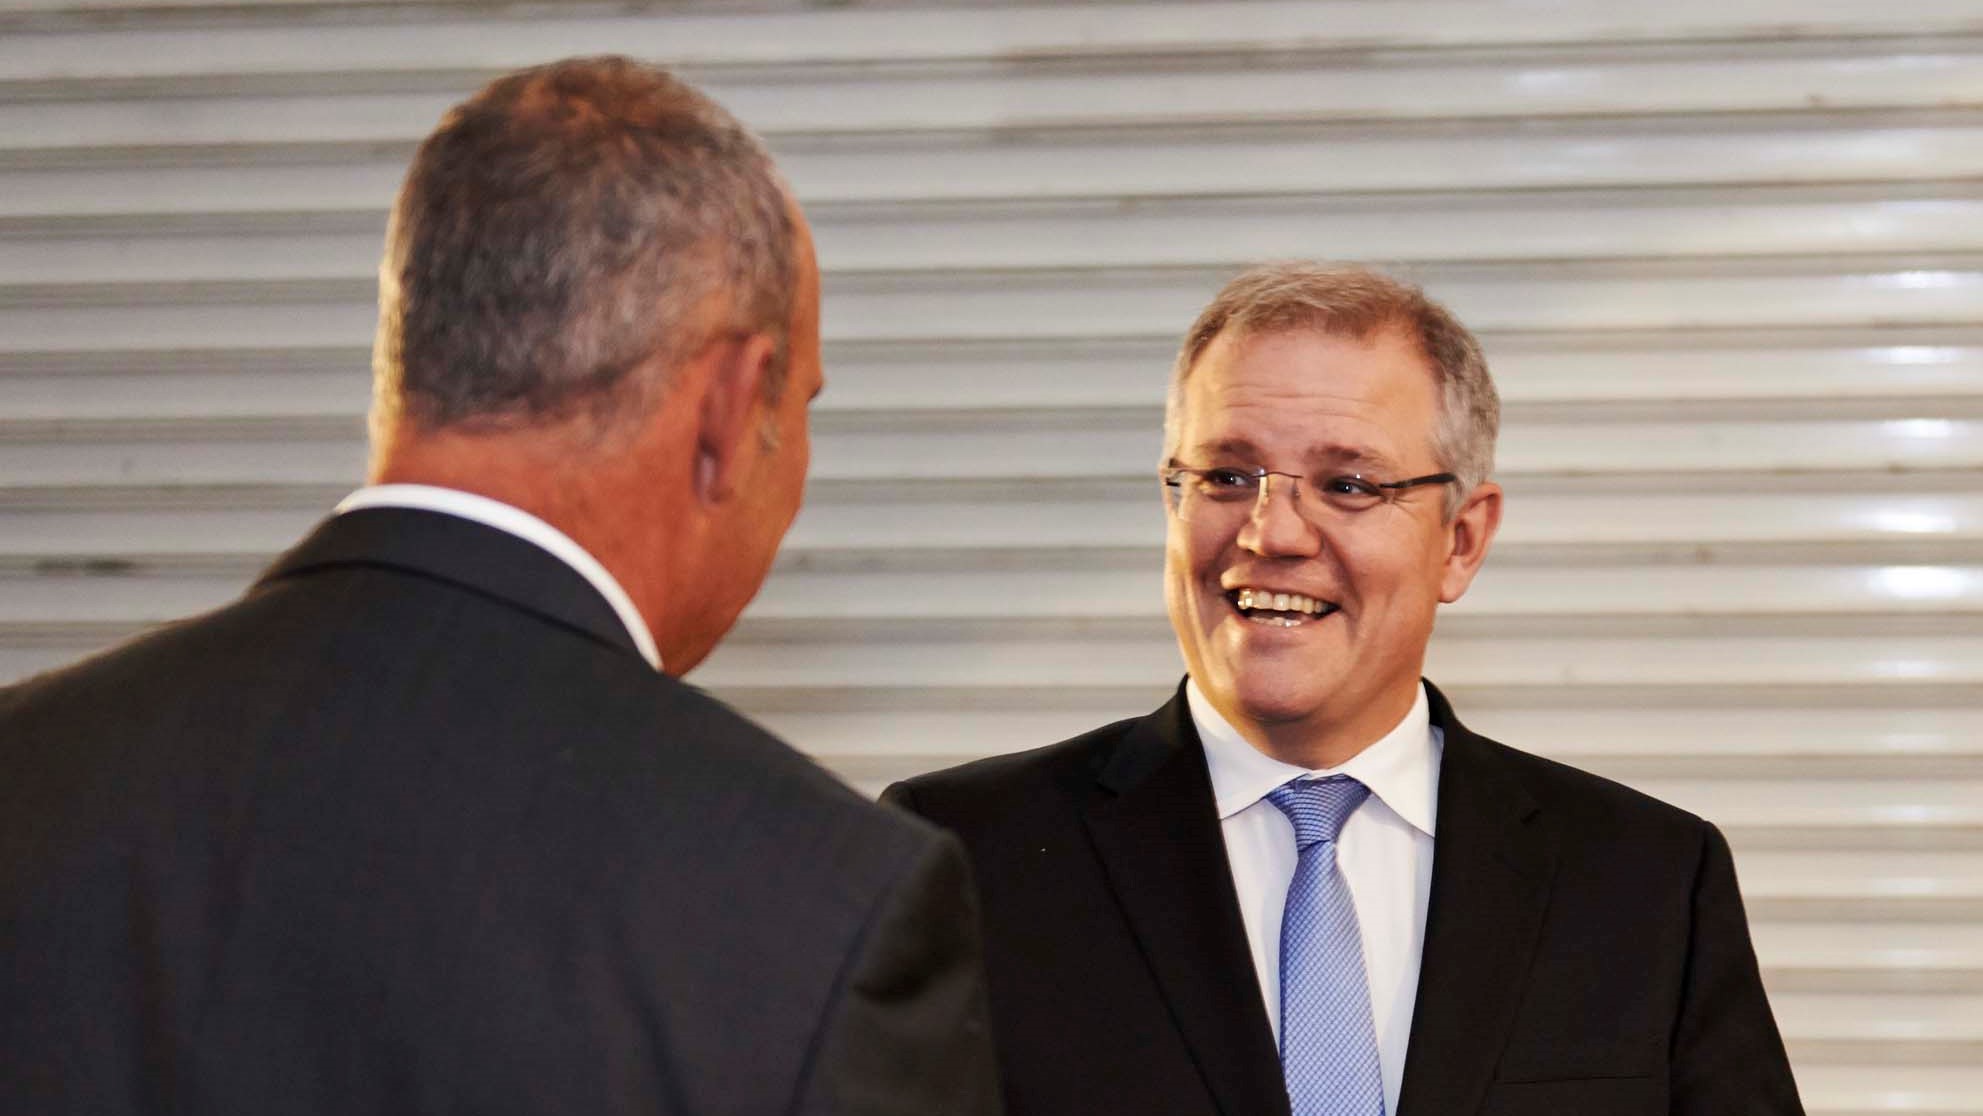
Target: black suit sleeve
(909, 1032)
(1728, 1059)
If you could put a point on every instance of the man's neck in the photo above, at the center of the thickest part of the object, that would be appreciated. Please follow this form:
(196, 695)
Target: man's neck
(591, 499)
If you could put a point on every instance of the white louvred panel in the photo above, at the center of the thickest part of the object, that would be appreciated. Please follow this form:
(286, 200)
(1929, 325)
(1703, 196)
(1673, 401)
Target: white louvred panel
(1284, 160)
(1727, 261)
(295, 42)
(1034, 306)
(1403, 85)
(130, 250)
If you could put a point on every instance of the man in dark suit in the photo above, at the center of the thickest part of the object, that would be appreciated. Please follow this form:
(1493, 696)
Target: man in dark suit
(419, 825)
(1303, 885)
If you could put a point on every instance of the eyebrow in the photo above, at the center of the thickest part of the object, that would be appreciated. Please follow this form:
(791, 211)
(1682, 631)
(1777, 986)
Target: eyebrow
(1325, 453)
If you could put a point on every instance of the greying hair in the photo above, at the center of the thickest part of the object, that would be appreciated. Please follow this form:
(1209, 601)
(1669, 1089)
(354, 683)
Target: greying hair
(561, 227)
(1355, 303)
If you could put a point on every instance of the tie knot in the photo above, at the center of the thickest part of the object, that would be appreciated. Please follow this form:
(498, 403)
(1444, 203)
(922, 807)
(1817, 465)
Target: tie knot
(1318, 807)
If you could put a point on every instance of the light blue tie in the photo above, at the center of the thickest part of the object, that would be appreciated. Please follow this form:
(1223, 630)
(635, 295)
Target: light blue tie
(1328, 1043)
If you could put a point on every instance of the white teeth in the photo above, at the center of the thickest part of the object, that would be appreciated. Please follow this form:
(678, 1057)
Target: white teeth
(1280, 602)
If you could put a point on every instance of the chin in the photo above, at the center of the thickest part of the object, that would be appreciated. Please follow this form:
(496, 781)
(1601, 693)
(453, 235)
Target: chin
(1274, 705)
(1280, 713)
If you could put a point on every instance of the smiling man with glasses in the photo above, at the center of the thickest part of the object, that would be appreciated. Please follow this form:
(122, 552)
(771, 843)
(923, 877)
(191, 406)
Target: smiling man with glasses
(1303, 885)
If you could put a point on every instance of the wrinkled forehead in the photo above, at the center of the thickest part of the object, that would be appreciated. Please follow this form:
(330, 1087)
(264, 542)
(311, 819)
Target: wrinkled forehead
(1354, 398)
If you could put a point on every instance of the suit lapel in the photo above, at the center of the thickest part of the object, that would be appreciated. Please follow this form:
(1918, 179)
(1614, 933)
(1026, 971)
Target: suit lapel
(1493, 859)
(1157, 833)
(463, 552)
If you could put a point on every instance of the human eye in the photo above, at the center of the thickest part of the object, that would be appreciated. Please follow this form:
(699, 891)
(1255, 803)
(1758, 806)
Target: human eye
(1350, 491)
(1227, 482)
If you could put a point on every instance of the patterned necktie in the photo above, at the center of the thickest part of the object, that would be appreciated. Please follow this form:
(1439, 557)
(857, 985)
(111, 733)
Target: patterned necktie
(1328, 1043)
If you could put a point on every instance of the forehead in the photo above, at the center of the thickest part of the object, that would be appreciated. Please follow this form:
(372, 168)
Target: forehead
(1313, 395)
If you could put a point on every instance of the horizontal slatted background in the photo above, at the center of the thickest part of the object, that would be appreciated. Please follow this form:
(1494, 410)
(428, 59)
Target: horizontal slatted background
(1727, 259)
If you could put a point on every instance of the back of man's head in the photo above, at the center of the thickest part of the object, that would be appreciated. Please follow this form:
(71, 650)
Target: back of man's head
(594, 293)
(567, 225)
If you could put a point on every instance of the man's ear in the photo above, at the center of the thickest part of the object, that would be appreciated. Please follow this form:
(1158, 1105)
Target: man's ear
(732, 373)
(1468, 536)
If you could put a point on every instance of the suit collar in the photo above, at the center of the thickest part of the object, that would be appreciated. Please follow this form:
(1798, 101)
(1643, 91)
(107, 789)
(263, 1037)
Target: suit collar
(462, 552)
(1400, 768)
(522, 524)
(1158, 837)
(1493, 861)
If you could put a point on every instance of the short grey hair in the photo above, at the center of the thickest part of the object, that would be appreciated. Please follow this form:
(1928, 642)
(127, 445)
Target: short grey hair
(562, 227)
(1355, 302)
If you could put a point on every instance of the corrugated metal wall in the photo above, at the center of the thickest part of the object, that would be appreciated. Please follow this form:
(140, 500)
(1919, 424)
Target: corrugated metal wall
(1728, 260)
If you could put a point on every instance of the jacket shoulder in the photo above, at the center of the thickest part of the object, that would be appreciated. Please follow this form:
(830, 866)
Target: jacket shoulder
(998, 785)
(1591, 802)
(754, 760)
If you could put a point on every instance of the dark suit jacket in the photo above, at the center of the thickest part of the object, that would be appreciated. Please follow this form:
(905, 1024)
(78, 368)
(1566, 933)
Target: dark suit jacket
(1585, 954)
(412, 828)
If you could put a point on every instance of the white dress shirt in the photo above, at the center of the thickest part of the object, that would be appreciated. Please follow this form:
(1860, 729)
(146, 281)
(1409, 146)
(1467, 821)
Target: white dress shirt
(529, 528)
(1384, 852)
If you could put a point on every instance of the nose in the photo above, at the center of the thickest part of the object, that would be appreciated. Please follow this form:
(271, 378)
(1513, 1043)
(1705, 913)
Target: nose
(1275, 527)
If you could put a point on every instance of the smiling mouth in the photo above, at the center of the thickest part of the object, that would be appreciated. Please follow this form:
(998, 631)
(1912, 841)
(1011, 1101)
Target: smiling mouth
(1280, 610)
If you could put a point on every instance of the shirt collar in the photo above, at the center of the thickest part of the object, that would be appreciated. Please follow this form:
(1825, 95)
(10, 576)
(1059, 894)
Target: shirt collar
(1401, 768)
(514, 521)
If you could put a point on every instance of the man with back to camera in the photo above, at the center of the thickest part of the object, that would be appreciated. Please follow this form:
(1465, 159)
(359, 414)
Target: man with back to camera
(1303, 885)
(418, 825)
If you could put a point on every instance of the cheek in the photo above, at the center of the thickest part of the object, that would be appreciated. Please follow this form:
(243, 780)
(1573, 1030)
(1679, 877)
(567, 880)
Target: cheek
(1177, 577)
(1181, 579)
(796, 454)
(1190, 559)
(1406, 570)
(799, 434)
